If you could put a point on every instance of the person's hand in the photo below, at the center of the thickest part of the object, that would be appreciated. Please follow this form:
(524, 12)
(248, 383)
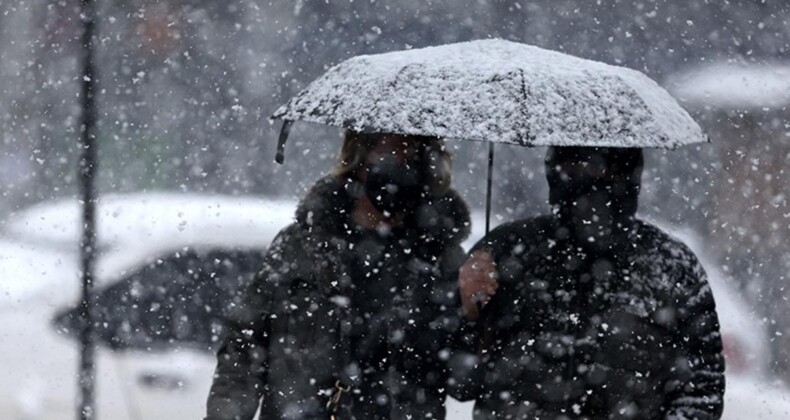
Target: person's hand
(477, 281)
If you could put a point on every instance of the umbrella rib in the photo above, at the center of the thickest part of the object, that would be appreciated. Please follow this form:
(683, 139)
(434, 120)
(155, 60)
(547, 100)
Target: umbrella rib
(662, 135)
(525, 115)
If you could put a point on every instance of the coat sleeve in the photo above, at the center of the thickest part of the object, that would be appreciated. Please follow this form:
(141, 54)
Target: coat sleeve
(463, 363)
(450, 321)
(698, 390)
(240, 375)
(465, 382)
(467, 364)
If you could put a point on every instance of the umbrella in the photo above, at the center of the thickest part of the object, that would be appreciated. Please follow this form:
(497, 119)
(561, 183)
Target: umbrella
(493, 91)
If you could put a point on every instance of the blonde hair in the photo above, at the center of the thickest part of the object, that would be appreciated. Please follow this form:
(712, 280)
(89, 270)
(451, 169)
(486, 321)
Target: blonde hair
(430, 150)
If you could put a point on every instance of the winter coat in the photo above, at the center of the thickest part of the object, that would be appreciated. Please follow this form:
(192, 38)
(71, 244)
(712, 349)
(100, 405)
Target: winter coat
(334, 302)
(628, 335)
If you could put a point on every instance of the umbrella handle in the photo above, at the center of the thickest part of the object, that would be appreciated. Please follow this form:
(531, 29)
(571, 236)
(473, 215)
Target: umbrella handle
(488, 201)
(488, 187)
(284, 131)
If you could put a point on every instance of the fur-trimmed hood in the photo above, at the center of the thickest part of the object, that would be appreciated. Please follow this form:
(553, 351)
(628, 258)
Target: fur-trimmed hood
(326, 209)
(321, 273)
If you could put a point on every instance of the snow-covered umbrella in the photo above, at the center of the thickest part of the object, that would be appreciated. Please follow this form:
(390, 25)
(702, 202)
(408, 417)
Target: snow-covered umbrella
(494, 91)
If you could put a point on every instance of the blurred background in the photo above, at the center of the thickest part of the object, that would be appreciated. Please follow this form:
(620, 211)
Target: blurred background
(186, 88)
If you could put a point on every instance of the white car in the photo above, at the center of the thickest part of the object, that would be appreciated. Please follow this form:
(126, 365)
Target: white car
(142, 239)
(168, 250)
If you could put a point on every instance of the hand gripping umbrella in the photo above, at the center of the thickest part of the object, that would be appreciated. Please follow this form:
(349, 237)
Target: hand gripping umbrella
(494, 91)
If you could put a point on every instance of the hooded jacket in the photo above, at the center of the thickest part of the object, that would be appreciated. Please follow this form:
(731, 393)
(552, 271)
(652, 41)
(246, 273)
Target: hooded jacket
(373, 310)
(594, 319)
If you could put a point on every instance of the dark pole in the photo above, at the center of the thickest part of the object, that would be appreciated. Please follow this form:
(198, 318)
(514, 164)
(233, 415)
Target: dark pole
(87, 172)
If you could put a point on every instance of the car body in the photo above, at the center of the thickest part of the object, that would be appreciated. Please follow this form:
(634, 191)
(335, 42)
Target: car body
(155, 358)
(137, 234)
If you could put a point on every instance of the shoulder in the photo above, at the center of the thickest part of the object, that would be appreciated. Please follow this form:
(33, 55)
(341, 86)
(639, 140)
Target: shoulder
(653, 239)
(532, 230)
(326, 206)
(286, 253)
(288, 237)
(673, 260)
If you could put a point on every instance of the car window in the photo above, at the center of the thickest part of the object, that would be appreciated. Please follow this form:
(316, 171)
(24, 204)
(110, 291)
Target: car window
(179, 299)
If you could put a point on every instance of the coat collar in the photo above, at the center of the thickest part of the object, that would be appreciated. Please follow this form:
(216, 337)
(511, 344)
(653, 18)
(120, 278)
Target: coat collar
(326, 209)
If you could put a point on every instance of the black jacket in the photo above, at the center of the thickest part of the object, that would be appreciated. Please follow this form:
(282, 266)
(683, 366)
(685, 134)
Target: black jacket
(631, 333)
(373, 309)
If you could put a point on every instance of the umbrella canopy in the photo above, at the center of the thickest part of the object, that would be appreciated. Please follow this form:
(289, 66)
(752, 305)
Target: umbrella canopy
(495, 91)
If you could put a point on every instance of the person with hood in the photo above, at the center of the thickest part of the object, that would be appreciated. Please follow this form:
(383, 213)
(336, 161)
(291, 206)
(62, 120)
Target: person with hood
(351, 314)
(589, 312)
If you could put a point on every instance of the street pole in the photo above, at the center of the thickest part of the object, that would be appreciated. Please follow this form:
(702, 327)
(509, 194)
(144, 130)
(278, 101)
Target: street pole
(86, 174)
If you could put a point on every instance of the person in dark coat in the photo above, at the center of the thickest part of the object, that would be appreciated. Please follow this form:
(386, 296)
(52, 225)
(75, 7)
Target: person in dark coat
(352, 312)
(589, 312)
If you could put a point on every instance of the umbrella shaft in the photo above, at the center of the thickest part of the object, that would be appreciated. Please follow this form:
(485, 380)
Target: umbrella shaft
(488, 186)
